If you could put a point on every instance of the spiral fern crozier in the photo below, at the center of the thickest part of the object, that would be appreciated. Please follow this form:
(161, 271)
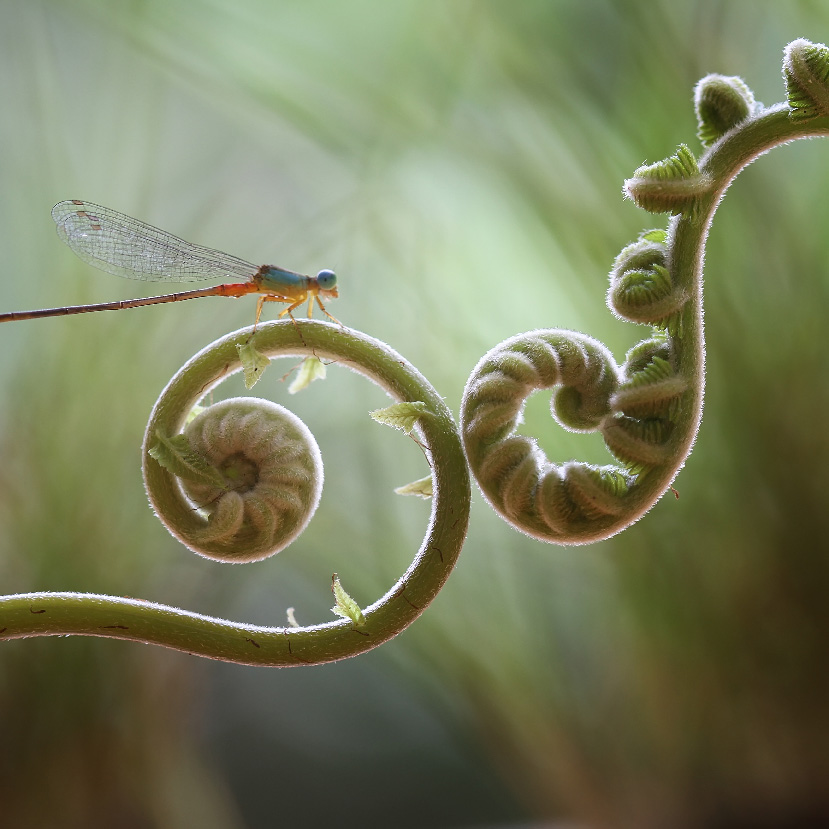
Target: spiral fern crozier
(228, 482)
(266, 479)
(648, 410)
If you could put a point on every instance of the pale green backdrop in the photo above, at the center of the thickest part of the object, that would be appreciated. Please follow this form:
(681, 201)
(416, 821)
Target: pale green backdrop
(460, 164)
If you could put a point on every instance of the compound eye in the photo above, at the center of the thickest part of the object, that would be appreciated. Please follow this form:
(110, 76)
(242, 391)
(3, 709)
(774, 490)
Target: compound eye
(327, 280)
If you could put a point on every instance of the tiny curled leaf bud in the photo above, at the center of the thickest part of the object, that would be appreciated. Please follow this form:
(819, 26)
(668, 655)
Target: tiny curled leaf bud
(649, 391)
(645, 405)
(721, 103)
(669, 186)
(806, 73)
(641, 287)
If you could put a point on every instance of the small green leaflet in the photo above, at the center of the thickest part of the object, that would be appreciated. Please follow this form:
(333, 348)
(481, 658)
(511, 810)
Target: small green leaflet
(254, 362)
(659, 236)
(346, 606)
(177, 457)
(421, 488)
(194, 413)
(312, 368)
(401, 416)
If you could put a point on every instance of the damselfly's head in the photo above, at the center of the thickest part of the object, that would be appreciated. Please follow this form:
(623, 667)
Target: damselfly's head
(327, 283)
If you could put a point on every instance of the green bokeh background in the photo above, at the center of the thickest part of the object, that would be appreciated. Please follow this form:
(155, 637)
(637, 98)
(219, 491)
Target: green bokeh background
(459, 163)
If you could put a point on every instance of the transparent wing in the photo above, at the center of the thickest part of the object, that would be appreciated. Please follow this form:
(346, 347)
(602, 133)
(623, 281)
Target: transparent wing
(121, 245)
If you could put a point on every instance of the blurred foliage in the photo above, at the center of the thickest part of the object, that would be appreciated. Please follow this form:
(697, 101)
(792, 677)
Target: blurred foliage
(459, 163)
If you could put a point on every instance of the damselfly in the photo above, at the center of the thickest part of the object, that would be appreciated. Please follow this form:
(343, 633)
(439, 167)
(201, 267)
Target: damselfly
(124, 246)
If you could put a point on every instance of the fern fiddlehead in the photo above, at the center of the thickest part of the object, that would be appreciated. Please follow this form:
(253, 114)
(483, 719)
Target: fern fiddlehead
(249, 466)
(648, 409)
(259, 487)
(245, 499)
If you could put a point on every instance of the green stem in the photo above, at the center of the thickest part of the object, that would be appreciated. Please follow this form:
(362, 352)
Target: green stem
(50, 614)
(688, 234)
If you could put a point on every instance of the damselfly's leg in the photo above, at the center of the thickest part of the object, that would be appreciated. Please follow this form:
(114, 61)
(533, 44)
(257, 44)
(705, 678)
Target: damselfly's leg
(272, 298)
(324, 311)
(290, 308)
(259, 305)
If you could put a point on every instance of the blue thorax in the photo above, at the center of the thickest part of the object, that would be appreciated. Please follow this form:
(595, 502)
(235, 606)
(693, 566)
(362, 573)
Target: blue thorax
(275, 278)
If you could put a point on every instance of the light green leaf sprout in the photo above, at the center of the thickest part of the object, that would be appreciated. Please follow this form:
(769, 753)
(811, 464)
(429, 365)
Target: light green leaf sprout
(312, 368)
(344, 605)
(401, 416)
(177, 456)
(422, 488)
(253, 363)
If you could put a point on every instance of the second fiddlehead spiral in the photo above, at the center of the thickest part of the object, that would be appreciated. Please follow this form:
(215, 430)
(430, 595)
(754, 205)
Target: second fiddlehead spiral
(648, 409)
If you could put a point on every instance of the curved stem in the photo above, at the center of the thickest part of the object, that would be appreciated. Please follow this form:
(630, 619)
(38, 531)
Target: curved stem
(688, 235)
(48, 614)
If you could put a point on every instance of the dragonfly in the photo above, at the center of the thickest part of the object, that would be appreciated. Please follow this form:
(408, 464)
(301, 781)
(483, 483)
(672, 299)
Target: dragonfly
(120, 245)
